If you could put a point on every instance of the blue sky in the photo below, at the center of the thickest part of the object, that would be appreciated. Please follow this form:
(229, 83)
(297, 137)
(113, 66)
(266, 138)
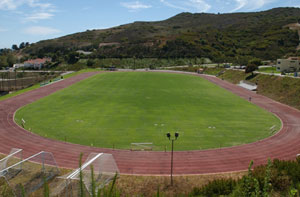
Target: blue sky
(34, 20)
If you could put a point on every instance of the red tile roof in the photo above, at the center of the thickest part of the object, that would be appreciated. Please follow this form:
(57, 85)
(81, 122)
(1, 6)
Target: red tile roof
(38, 61)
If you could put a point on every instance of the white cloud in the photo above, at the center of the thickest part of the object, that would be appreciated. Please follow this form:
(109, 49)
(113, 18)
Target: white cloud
(240, 5)
(38, 10)
(9, 4)
(200, 5)
(41, 31)
(188, 5)
(172, 5)
(136, 5)
(250, 5)
(38, 16)
(14, 4)
(36, 3)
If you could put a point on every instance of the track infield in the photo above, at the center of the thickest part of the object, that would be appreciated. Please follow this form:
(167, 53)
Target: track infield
(283, 145)
(119, 108)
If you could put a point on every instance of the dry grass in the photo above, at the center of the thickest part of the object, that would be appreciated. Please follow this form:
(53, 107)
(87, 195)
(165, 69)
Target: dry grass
(30, 177)
(130, 185)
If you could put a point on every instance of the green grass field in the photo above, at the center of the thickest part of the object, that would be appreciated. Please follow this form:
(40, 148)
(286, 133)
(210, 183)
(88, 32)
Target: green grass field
(115, 109)
(268, 70)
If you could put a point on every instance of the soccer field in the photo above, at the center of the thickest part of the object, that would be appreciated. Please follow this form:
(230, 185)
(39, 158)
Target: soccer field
(115, 109)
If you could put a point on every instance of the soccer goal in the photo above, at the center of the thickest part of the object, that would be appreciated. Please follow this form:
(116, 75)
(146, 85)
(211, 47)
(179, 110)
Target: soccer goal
(101, 165)
(146, 146)
(12, 158)
(31, 173)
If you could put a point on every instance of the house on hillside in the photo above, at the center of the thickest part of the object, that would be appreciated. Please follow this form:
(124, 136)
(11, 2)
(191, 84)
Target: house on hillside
(36, 63)
(291, 64)
(18, 66)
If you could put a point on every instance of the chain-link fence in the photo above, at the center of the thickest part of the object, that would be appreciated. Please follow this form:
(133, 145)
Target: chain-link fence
(12, 81)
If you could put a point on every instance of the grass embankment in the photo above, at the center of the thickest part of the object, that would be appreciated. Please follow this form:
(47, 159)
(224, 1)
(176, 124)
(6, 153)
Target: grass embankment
(282, 89)
(268, 70)
(183, 185)
(29, 178)
(143, 107)
(126, 185)
(36, 86)
(278, 178)
(234, 76)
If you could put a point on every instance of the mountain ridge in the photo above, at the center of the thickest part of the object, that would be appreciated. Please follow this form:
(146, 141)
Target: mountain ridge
(221, 37)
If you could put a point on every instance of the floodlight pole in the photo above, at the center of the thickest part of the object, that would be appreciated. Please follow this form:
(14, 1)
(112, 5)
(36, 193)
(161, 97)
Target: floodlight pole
(172, 153)
(172, 162)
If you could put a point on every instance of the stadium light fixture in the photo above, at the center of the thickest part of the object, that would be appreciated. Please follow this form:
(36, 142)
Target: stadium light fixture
(169, 135)
(172, 152)
(176, 135)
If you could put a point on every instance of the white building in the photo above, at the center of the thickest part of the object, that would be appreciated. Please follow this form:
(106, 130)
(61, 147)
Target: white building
(291, 64)
(18, 66)
(36, 63)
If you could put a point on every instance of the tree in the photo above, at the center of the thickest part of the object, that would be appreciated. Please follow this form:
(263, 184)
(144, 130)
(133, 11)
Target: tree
(90, 62)
(256, 61)
(54, 57)
(253, 65)
(3, 61)
(4, 51)
(250, 68)
(14, 47)
(72, 57)
(11, 60)
(22, 45)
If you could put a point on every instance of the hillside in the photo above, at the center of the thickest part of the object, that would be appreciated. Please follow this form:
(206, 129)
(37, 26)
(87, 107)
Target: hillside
(235, 37)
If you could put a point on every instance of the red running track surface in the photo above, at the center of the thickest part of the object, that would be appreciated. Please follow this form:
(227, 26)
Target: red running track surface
(283, 145)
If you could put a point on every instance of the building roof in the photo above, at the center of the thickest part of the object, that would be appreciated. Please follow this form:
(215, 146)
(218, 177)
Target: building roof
(38, 61)
(293, 58)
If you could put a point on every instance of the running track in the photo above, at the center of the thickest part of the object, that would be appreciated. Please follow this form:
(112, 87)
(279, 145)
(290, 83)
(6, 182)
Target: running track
(283, 145)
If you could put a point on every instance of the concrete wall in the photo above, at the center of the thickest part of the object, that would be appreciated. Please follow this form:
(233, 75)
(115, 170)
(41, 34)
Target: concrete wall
(288, 65)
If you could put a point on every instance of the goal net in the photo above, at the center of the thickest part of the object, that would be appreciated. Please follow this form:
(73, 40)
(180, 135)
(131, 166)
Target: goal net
(13, 157)
(104, 169)
(31, 173)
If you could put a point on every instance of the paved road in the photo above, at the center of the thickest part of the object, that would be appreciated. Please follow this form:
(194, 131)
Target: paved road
(283, 145)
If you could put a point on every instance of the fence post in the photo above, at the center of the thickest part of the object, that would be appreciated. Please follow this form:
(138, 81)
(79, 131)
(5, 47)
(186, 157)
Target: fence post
(15, 79)
(43, 162)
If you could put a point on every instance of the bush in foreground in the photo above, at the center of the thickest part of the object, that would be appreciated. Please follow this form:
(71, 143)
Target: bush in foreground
(279, 177)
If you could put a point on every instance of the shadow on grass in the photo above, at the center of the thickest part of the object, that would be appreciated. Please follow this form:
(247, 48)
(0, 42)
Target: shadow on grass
(251, 76)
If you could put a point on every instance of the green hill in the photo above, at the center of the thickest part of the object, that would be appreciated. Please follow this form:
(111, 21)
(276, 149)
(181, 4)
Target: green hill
(235, 37)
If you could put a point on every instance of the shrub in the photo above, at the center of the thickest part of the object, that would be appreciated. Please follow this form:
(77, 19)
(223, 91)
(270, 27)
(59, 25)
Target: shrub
(216, 188)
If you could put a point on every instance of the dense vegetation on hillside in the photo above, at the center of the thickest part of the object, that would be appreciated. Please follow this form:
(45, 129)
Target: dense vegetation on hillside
(235, 37)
